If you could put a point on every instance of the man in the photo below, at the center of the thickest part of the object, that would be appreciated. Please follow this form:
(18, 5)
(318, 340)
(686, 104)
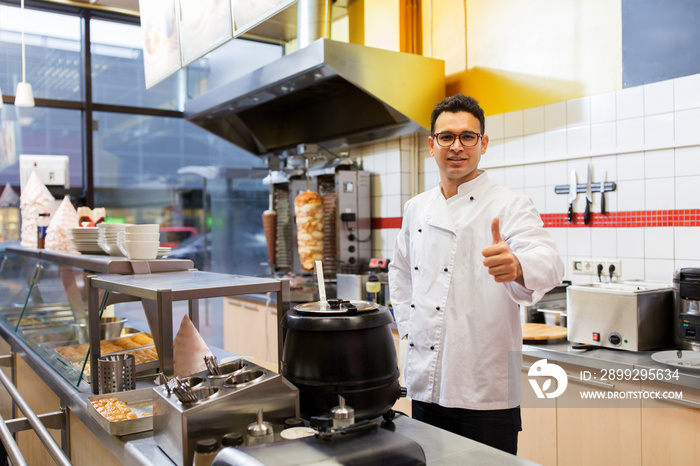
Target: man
(469, 251)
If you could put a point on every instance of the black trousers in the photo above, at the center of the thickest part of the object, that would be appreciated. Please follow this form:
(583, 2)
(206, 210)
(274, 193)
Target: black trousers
(496, 428)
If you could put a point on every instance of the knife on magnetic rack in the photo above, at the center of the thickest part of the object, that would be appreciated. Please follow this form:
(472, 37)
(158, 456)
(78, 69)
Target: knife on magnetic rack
(572, 195)
(589, 197)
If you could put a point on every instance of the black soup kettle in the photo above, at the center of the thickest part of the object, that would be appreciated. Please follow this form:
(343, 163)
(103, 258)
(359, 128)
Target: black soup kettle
(345, 348)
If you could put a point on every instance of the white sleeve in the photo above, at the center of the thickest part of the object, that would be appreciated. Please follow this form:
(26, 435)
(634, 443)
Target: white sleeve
(400, 277)
(536, 250)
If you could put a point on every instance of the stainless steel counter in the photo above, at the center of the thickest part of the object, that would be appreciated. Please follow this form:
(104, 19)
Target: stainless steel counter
(605, 358)
(440, 447)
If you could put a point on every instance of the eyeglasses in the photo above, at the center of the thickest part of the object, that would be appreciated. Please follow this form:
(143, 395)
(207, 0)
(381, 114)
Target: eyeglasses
(467, 139)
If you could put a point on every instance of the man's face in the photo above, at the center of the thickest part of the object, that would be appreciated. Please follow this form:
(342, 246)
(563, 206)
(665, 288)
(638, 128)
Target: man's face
(457, 163)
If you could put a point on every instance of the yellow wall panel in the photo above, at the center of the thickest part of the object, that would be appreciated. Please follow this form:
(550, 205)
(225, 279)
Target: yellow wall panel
(520, 54)
(449, 35)
(382, 28)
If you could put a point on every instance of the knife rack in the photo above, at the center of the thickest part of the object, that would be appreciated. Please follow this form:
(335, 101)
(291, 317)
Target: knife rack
(581, 187)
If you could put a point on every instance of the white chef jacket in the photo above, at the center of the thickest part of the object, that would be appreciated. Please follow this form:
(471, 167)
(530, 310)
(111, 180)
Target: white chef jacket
(464, 330)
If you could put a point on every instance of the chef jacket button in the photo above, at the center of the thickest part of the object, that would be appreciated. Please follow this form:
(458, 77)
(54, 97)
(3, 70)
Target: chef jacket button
(420, 230)
(415, 268)
(410, 344)
(437, 308)
(445, 269)
(413, 305)
(432, 347)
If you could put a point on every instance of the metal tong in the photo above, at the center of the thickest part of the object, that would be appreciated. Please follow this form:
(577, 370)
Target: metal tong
(212, 365)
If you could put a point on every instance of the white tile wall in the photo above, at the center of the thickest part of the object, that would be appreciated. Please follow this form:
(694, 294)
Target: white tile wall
(658, 129)
(533, 120)
(514, 124)
(659, 194)
(687, 161)
(658, 97)
(603, 137)
(603, 108)
(646, 138)
(578, 112)
(686, 92)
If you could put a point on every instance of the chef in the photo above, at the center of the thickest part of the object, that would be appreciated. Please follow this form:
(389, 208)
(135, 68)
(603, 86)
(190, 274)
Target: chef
(468, 252)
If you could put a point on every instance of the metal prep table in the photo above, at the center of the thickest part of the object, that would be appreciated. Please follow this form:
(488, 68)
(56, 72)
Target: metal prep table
(159, 290)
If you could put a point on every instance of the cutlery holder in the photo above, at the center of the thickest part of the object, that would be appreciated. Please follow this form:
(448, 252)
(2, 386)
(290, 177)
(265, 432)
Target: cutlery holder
(116, 373)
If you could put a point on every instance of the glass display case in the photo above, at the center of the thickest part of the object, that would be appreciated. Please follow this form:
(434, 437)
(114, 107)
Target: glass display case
(35, 305)
(43, 299)
(57, 304)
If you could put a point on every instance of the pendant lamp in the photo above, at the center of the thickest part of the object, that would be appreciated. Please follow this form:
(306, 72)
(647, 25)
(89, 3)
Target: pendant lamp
(24, 97)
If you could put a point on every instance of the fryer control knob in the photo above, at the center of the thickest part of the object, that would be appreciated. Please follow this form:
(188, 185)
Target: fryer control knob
(615, 339)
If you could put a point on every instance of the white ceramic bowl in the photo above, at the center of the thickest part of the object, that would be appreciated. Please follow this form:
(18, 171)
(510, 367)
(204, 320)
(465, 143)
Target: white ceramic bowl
(143, 228)
(140, 250)
(111, 227)
(128, 236)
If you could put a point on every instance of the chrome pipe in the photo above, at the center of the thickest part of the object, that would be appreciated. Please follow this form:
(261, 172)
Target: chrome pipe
(54, 450)
(11, 447)
(311, 21)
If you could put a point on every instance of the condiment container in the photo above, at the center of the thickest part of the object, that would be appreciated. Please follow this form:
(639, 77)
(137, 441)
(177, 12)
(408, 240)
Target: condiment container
(260, 431)
(342, 416)
(204, 451)
(234, 439)
(42, 224)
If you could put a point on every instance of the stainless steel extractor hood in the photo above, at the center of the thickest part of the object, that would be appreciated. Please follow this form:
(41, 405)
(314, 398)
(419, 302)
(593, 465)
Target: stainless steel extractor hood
(330, 93)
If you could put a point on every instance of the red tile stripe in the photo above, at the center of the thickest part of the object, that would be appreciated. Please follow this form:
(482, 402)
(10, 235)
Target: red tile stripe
(639, 218)
(379, 223)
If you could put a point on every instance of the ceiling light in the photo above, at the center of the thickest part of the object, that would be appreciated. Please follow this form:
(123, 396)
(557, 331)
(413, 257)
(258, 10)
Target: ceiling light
(24, 97)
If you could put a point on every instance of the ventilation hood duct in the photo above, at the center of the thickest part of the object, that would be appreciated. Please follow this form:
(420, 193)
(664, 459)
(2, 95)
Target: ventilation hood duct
(329, 93)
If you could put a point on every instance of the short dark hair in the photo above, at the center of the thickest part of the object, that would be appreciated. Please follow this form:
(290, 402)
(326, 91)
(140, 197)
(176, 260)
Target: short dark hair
(458, 103)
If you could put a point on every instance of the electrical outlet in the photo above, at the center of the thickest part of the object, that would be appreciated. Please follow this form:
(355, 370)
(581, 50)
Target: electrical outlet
(585, 266)
(588, 267)
(617, 271)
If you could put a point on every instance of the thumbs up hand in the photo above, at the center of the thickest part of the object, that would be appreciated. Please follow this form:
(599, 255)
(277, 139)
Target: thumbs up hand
(500, 260)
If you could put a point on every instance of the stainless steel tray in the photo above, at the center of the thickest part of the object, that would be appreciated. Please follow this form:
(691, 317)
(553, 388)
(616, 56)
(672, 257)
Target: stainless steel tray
(139, 401)
(78, 362)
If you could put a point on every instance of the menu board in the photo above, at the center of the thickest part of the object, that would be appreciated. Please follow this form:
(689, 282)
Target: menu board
(161, 45)
(203, 27)
(250, 13)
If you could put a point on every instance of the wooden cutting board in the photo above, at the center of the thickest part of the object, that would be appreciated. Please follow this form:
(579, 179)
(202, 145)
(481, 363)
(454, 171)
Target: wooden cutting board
(543, 332)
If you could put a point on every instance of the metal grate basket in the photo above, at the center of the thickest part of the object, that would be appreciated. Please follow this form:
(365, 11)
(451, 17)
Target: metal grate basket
(117, 372)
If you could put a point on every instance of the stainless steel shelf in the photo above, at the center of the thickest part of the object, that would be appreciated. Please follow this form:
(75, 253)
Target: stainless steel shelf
(158, 291)
(105, 264)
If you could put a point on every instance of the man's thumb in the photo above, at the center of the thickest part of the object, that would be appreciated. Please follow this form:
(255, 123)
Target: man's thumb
(495, 230)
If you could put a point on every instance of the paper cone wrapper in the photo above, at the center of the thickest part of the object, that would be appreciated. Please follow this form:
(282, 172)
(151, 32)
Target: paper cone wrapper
(269, 219)
(34, 199)
(9, 197)
(58, 234)
(189, 350)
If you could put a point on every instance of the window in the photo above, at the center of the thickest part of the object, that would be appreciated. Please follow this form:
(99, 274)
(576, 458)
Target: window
(140, 141)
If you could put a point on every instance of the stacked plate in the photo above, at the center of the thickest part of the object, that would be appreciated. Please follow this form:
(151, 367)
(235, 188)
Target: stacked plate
(107, 237)
(85, 240)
